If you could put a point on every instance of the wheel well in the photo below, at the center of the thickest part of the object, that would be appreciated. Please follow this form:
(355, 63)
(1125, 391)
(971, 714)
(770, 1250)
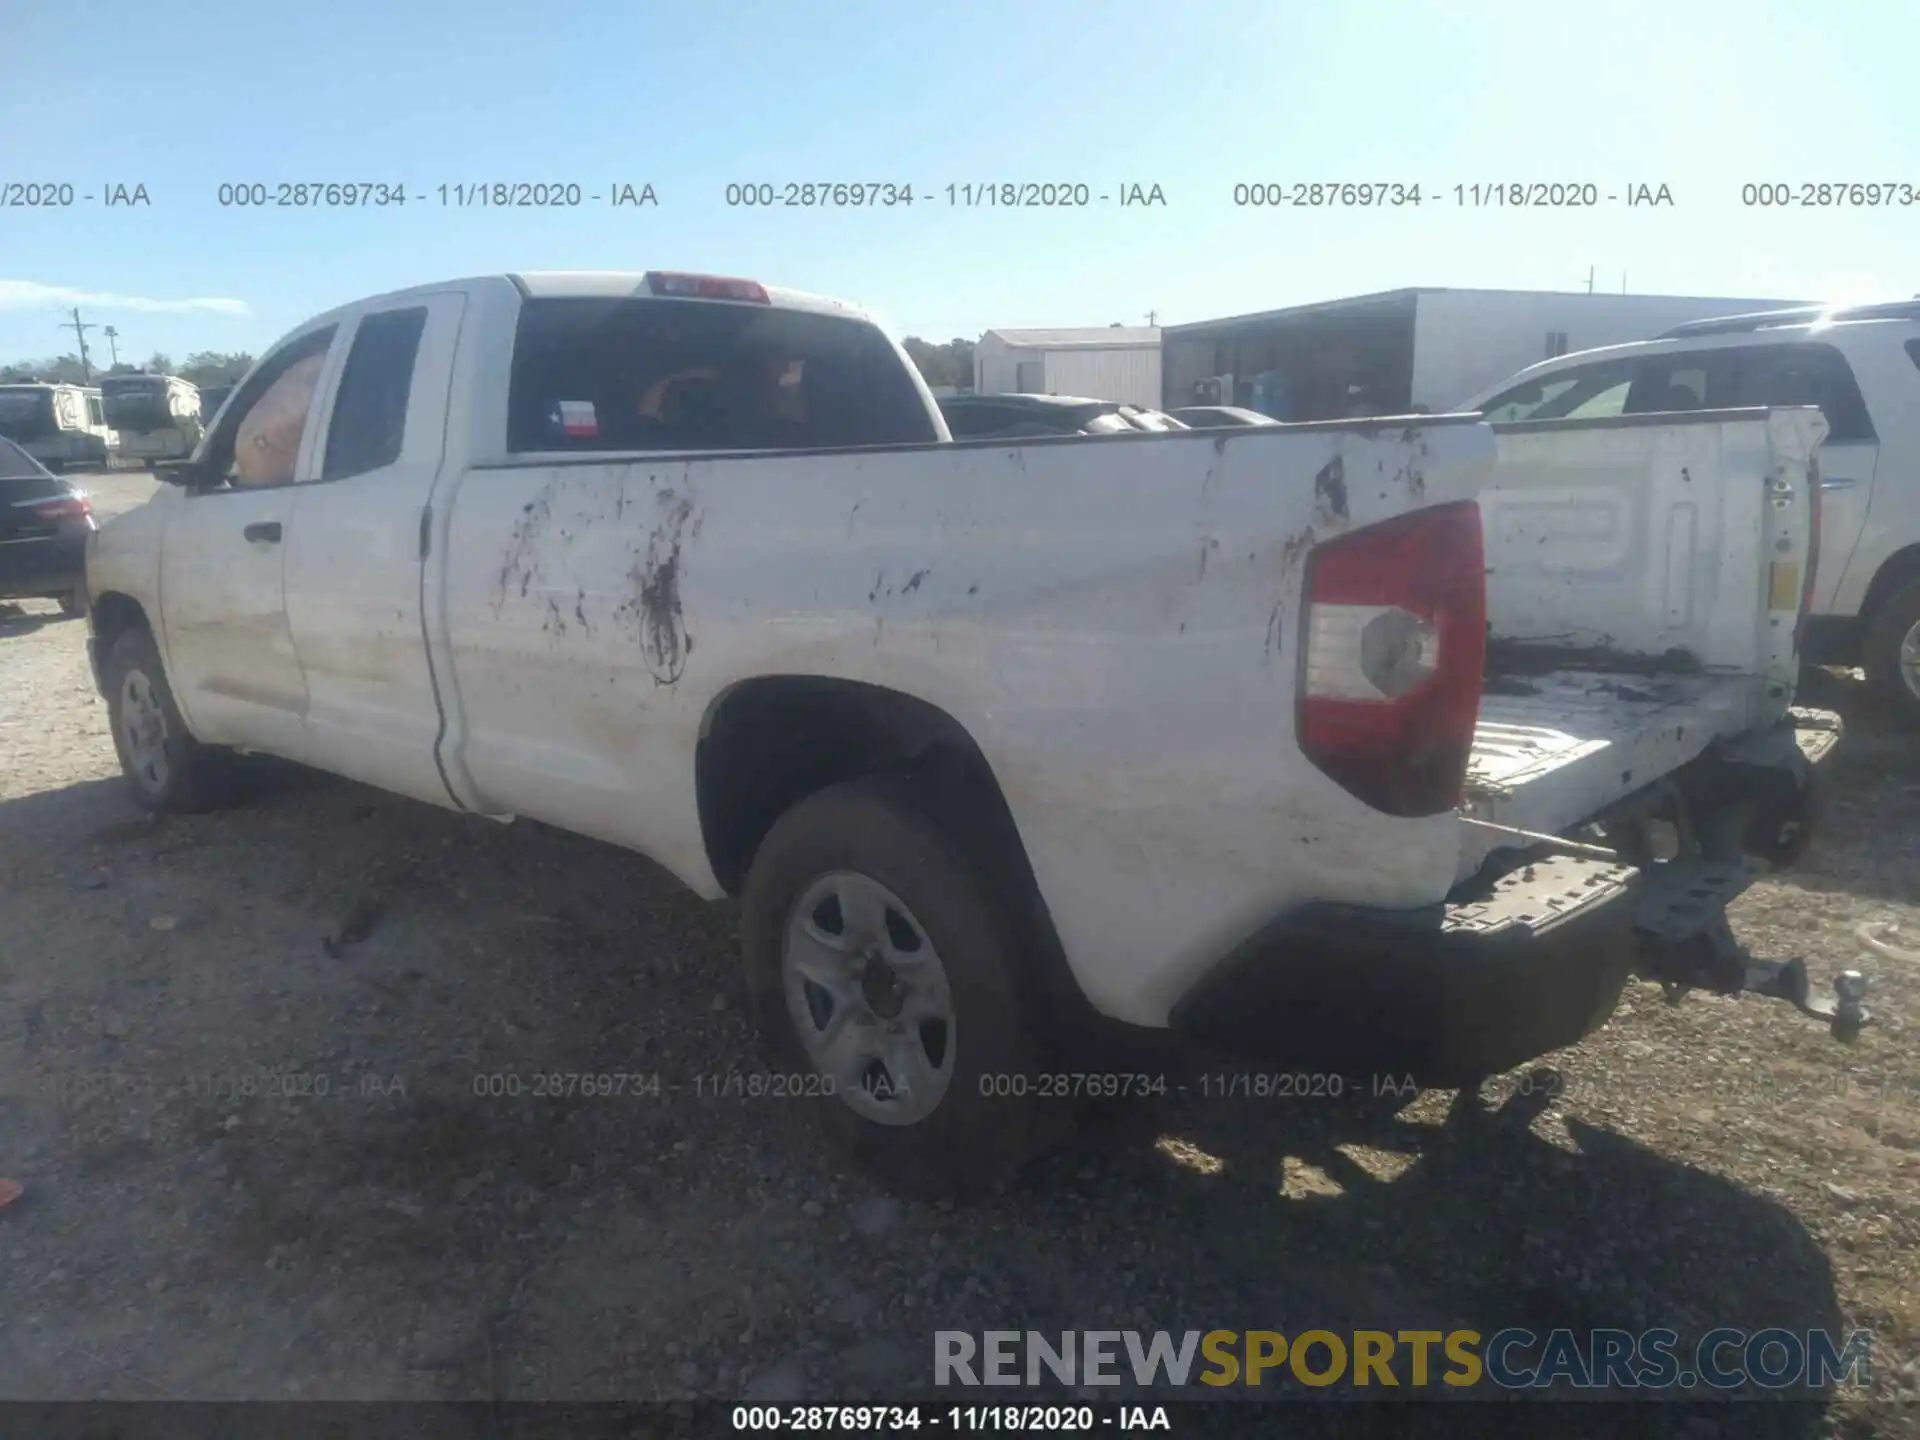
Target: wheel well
(771, 742)
(1895, 571)
(113, 615)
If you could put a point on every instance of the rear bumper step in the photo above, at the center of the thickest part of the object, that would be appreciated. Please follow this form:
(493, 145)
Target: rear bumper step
(1446, 995)
(1533, 959)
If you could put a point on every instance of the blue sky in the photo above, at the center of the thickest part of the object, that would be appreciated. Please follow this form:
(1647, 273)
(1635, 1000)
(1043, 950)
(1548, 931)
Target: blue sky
(1698, 95)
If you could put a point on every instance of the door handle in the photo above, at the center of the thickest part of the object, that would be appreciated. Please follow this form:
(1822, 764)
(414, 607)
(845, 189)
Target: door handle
(1838, 482)
(267, 530)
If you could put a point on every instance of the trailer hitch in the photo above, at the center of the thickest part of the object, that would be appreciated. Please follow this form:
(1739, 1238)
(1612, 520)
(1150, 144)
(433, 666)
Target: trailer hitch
(1686, 944)
(1787, 980)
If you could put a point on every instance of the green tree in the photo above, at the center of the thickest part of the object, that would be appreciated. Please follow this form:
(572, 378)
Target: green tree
(950, 364)
(159, 363)
(58, 370)
(215, 367)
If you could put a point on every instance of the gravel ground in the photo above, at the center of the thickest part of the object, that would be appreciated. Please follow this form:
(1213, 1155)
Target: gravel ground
(403, 1235)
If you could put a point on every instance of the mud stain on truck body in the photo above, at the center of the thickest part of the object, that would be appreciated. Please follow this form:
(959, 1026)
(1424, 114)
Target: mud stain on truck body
(653, 609)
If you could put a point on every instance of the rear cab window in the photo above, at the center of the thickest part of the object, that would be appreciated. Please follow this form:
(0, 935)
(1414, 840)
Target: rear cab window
(598, 374)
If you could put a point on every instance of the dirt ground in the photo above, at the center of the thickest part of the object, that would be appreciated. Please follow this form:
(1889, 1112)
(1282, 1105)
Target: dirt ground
(371, 1223)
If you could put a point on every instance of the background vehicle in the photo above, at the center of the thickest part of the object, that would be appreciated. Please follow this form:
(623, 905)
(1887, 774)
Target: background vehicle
(1191, 732)
(1212, 417)
(1861, 367)
(44, 525)
(153, 417)
(976, 417)
(59, 425)
(212, 397)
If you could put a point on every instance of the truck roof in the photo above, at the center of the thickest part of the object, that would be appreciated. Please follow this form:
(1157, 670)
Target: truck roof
(632, 284)
(592, 284)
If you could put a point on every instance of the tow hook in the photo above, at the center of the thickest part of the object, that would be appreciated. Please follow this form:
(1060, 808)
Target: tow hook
(1845, 1013)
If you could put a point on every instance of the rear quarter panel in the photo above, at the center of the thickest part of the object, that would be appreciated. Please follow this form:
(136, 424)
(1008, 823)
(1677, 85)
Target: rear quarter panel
(1115, 622)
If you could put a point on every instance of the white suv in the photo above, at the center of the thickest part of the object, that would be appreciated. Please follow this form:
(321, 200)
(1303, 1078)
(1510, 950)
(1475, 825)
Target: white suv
(1861, 366)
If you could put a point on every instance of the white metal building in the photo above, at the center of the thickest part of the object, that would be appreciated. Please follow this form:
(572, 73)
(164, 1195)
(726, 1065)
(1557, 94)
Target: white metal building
(1117, 362)
(1403, 350)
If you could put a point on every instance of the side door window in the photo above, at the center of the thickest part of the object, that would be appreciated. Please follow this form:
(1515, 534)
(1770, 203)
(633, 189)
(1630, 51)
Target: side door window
(1806, 374)
(258, 443)
(369, 423)
(1700, 380)
(1587, 392)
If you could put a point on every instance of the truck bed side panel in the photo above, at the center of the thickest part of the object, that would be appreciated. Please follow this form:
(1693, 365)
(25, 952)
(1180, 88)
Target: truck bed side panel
(1114, 622)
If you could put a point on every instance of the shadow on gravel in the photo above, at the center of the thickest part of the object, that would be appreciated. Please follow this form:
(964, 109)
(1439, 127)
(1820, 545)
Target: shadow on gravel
(1327, 1215)
(589, 1234)
(14, 620)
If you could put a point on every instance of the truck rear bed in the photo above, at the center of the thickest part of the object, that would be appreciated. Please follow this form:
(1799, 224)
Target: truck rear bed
(1573, 741)
(1644, 578)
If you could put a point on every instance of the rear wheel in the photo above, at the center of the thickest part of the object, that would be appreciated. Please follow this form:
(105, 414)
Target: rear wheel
(167, 770)
(1892, 652)
(885, 963)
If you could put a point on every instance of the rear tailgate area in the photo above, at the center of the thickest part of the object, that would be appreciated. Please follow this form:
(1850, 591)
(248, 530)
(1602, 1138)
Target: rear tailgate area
(1644, 583)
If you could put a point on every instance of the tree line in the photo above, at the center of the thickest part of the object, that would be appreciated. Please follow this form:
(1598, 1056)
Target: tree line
(202, 367)
(949, 365)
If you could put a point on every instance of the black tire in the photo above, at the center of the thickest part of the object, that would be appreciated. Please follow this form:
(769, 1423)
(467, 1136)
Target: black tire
(1892, 622)
(908, 833)
(196, 777)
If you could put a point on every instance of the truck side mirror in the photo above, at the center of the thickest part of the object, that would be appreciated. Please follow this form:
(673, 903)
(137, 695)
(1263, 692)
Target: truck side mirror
(183, 473)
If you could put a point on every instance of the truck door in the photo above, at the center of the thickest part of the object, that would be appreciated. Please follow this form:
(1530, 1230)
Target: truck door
(230, 654)
(356, 544)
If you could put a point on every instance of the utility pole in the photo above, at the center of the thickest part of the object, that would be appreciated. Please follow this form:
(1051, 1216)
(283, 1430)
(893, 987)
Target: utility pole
(80, 329)
(1589, 279)
(1153, 317)
(113, 344)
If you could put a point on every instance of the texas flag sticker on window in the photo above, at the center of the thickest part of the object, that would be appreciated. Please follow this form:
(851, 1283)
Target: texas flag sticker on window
(574, 418)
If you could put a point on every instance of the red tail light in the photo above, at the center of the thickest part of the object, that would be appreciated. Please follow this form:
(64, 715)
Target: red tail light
(706, 287)
(1396, 640)
(70, 507)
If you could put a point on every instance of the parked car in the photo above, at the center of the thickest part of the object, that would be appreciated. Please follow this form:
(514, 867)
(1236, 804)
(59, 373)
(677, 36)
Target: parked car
(979, 417)
(44, 525)
(1213, 417)
(1861, 366)
(1197, 734)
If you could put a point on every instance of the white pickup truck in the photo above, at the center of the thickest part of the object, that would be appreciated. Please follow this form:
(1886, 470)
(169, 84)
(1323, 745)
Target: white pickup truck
(1274, 738)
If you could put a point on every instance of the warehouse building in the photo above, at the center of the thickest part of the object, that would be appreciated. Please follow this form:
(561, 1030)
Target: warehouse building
(1117, 362)
(1402, 351)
